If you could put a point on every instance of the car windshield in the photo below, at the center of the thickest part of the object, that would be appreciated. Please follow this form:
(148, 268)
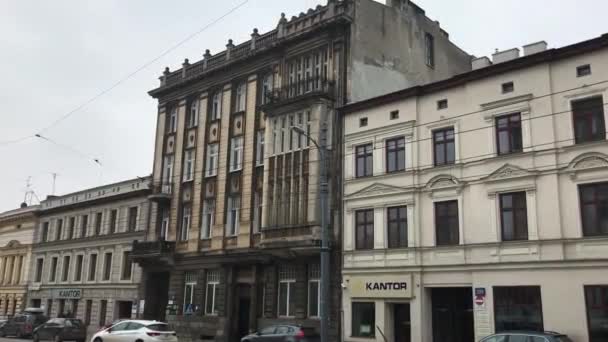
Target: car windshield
(158, 327)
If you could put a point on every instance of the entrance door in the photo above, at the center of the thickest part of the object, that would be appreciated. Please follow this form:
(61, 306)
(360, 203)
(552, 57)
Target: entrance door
(401, 316)
(124, 309)
(452, 314)
(157, 295)
(244, 305)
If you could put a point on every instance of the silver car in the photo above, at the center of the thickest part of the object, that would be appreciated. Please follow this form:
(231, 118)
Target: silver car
(136, 330)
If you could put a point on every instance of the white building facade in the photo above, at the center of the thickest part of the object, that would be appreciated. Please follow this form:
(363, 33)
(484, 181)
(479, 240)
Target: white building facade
(480, 203)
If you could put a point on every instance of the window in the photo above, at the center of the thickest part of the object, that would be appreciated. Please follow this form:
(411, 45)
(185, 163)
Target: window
(588, 116)
(66, 268)
(164, 225)
(113, 220)
(444, 149)
(78, 269)
(233, 213)
(71, 227)
(127, 266)
(429, 49)
(193, 114)
(172, 124)
(518, 308)
(45, 232)
(596, 298)
(92, 266)
(98, 219)
(39, 267)
(395, 155)
(513, 216)
(241, 97)
(442, 104)
(216, 106)
(87, 312)
(507, 87)
(508, 133)
(394, 115)
(103, 308)
(185, 228)
(364, 160)
(446, 223)
(107, 266)
(167, 173)
(208, 218)
(287, 289)
(189, 165)
(364, 319)
(362, 122)
(132, 220)
(189, 287)
(84, 224)
(257, 213)
(314, 290)
(594, 208)
(213, 282)
(236, 154)
(583, 70)
(53, 272)
(364, 229)
(397, 227)
(59, 230)
(266, 88)
(259, 149)
(211, 162)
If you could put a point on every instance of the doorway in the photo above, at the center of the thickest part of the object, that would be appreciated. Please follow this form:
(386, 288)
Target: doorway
(452, 314)
(124, 309)
(402, 324)
(243, 309)
(156, 296)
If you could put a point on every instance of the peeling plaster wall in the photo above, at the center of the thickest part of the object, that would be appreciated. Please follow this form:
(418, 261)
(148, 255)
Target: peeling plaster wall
(388, 50)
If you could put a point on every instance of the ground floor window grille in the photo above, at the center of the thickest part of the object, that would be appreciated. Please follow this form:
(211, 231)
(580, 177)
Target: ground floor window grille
(287, 300)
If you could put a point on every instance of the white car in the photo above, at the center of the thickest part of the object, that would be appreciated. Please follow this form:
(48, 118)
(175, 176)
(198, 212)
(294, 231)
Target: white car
(136, 331)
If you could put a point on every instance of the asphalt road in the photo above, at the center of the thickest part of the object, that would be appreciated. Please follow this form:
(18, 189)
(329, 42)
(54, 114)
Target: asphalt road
(14, 339)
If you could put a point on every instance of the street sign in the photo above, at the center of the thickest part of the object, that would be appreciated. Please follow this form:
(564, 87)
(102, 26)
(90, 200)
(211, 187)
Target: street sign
(479, 300)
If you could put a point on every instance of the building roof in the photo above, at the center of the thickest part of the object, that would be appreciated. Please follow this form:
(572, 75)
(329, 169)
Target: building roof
(549, 55)
(19, 213)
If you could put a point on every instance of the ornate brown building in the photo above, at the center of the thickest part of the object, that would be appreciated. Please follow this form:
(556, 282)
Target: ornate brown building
(234, 238)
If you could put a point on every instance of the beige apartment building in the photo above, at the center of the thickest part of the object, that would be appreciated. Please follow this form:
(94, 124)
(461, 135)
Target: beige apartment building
(81, 261)
(479, 203)
(16, 235)
(234, 238)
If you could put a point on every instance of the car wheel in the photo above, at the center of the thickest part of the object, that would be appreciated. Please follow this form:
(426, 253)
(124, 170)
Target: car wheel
(57, 338)
(97, 339)
(36, 338)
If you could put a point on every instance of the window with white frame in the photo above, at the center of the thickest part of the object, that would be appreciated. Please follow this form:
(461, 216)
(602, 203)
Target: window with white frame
(193, 114)
(189, 287)
(164, 225)
(287, 291)
(257, 213)
(314, 290)
(236, 154)
(213, 282)
(266, 88)
(233, 213)
(168, 173)
(216, 106)
(208, 218)
(185, 228)
(172, 124)
(211, 162)
(189, 165)
(241, 97)
(284, 139)
(259, 149)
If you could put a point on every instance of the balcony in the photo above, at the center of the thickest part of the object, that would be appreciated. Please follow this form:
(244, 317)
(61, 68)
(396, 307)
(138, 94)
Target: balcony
(309, 88)
(161, 193)
(153, 253)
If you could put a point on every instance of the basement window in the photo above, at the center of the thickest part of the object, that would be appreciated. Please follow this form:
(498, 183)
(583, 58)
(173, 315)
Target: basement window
(394, 115)
(508, 87)
(362, 122)
(442, 104)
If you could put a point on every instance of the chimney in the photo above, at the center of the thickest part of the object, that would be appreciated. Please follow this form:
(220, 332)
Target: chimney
(503, 56)
(481, 62)
(533, 48)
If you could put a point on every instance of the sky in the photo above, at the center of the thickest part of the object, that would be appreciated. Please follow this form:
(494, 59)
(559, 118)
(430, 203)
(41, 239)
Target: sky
(58, 56)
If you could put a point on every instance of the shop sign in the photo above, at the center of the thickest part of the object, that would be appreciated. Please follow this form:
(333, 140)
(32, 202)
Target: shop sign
(380, 286)
(68, 293)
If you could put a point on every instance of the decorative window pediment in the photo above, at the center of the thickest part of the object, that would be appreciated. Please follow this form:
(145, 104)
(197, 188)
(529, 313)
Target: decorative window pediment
(509, 171)
(443, 185)
(591, 161)
(376, 189)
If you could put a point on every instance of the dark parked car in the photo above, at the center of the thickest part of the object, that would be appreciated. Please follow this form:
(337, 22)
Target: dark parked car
(283, 333)
(61, 329)
(527, 336)
(23, 324)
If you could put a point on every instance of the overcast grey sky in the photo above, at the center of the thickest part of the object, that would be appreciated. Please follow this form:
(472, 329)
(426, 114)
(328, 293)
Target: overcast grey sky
(55, 55)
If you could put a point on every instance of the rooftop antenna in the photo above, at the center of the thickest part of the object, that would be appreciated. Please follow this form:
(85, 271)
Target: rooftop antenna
(29, 193)
(54, 174)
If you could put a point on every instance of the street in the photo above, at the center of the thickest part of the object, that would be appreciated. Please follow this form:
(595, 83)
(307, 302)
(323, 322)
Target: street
(14, 339)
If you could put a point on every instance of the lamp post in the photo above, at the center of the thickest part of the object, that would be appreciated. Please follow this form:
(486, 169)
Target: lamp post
(323, 193)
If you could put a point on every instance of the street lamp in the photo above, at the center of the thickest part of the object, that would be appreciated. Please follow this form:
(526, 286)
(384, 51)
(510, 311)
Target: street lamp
(323, 192)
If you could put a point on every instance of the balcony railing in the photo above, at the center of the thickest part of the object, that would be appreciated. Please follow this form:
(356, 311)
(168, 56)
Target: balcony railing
(161, 192)
(155, 251)
(310, 87)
